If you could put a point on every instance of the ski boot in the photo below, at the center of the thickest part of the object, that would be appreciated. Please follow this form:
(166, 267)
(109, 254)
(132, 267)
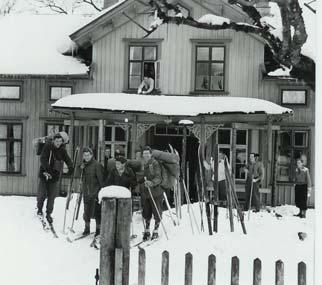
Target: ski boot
(39, 212)
(155, 235)
(146, 235)
(49, 218)
(87, 229)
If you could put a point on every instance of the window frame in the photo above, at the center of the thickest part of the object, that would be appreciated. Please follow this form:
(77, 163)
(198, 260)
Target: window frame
(21, 140)
(292, 148)
(142, 43)
(210, 43)
(12, 84)
(210, 61)
(305, 104)
(62, 85)
(112, 143)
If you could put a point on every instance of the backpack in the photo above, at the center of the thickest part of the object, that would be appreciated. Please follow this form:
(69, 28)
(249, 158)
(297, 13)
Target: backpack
(170, 168)
(39, 143)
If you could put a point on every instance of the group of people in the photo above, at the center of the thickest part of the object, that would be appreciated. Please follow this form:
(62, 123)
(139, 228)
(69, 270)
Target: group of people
(95, 176)
(254, 171)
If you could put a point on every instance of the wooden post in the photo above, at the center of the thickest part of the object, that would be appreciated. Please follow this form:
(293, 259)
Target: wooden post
(235, 271)
(301, 273)
(268, 167)
(279, 273)
(165, 268)
(118, 266)
(188, 269)
(134, 137)
(183, 155)
(233, 153)
(211, 270)
(71, 133)
(142, 262)
(101, 147)
(275, 166)
(115, 234)
(257, 274)
(215, 183)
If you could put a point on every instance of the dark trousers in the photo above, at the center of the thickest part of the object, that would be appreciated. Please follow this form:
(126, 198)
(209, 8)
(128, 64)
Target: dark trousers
(222, 190)
(255, 195)
(148, 208)
(49, 191)
(301, 196)
(92, 209)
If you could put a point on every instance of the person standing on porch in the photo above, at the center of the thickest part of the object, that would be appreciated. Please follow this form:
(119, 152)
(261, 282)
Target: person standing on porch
(303, 186)
(52, 157)
(254, 177)
(93, 181)
(152, 186)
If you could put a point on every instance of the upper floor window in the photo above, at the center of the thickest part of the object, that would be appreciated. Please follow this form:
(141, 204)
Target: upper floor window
(58, 92)
(143, 62)
(294, 97)
(10, 147)
(210, 68)
(10, 92)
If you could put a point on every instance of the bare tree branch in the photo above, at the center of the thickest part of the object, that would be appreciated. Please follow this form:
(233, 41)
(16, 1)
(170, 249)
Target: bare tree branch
(90, 2)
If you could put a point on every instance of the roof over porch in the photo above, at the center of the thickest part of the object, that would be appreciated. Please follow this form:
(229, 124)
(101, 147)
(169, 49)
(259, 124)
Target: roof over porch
(181, 106)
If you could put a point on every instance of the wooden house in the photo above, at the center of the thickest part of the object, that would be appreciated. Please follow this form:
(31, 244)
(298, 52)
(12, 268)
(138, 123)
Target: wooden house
(187, 62)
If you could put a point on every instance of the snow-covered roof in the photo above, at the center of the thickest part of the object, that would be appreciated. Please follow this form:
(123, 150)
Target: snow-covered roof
(34, 44)
(213, 19)
(168, 105)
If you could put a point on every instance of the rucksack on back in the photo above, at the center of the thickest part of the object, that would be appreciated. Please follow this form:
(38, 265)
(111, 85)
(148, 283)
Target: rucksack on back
(170, 167)
(40, 142)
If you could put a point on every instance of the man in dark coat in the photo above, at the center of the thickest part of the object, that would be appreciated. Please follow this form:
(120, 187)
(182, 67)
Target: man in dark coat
(255, 175)
(52, 157)
(122, 175)
(152, 186)
(92, 182)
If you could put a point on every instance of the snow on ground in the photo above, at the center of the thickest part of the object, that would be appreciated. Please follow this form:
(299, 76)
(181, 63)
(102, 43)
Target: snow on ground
(31, 256)
(34, 44)
(169, 105)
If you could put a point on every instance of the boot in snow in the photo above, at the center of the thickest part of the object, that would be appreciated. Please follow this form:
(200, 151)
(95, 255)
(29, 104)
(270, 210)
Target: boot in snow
(303, 215)
(155, 234)
(87, 229)
(39, 212)
(146, 235)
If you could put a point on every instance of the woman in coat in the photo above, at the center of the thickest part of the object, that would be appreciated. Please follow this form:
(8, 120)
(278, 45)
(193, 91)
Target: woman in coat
(303, 186)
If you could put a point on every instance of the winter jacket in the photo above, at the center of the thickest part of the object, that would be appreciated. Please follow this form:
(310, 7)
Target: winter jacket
(256, 171)
(127, 179)
(51, 161)
(302, 176)
(152, 172)
(92, 179)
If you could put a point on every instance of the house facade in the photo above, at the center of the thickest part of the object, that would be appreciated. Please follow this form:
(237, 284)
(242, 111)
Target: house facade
(184, 61)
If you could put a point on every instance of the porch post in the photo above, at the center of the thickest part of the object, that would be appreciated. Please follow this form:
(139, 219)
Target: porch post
(202, 147)
(71, 133)
(269, 152)
(233, 150)
(184, 150)
(275, 164)
(101, 147)
(134, 137)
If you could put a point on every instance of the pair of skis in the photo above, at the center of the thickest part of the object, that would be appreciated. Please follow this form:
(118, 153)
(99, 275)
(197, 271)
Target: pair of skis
(47, 226)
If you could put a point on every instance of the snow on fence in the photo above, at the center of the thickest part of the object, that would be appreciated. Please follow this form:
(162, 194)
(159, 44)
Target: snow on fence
(257, 270)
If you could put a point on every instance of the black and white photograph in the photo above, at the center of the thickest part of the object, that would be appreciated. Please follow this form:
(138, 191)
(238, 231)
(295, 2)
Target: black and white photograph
(160, 142)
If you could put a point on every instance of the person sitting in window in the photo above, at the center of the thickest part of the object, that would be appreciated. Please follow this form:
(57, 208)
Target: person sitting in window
(147, 85)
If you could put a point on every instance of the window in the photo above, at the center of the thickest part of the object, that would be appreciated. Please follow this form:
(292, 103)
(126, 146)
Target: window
(224, 145)
(10, 92)
(53, 128)
(294, 97)
(116, 138)
(169, 131)
(57, 92)
(210, 68)
(293, 145)
(10, 147)
(143, 61)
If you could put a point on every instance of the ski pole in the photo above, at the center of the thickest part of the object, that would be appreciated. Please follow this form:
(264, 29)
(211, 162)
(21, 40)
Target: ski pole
(250, 198)
(157, 210)
(77, 205)
(169, 208)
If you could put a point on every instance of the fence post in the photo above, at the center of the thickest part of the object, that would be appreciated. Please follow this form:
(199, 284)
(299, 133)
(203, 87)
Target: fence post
(115, 237)
(141, 273)
(279, 273)
(188, 269)
(211, 270)
(301, 273)
(165, 268)
(257, 275)
(235, 271)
